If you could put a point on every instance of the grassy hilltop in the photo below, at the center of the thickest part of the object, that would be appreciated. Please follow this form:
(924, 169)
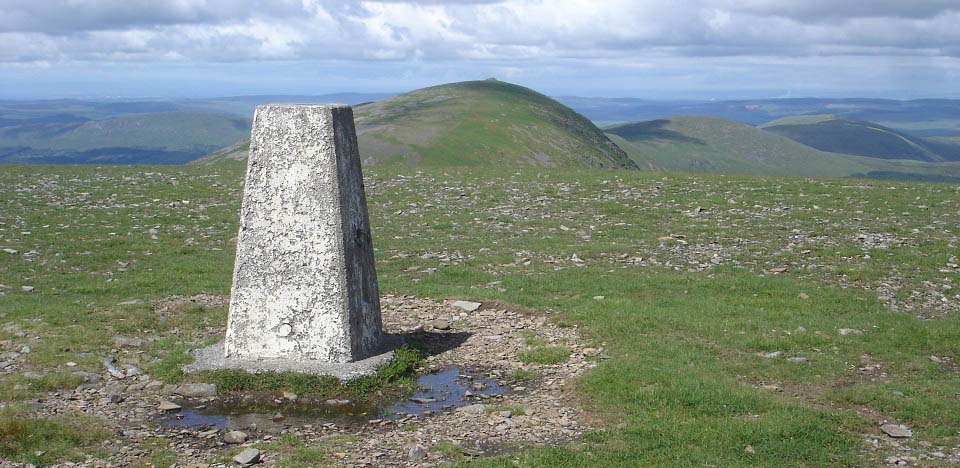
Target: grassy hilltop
(709, 144)
(475, 123)
(749, 321)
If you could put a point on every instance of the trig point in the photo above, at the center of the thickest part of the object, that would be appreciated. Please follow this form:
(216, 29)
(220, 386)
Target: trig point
(304, 294)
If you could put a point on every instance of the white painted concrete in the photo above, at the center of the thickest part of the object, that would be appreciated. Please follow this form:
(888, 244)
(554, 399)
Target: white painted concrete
(304, 284)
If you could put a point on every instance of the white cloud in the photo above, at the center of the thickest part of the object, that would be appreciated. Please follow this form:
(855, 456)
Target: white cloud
(664, 43)
(239, 30)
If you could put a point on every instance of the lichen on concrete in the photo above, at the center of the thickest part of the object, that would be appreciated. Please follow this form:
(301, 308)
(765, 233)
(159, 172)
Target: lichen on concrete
(304, 283)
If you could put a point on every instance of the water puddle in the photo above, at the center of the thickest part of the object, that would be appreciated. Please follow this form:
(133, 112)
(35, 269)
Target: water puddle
(437, 392)
(447, 389)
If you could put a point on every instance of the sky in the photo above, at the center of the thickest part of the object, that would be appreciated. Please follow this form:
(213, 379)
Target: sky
(654, 49)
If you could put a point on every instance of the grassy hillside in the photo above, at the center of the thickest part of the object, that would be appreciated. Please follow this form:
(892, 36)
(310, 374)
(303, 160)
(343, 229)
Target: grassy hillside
(707, 144)
(162, 137)
(478, 123)
(858, 137)
(744, 321)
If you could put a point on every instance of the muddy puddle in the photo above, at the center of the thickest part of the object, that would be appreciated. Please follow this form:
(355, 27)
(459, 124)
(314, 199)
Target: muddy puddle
(437, 392)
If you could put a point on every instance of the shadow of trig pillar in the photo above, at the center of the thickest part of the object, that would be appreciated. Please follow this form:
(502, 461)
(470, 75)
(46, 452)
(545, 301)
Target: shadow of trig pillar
(304, 284)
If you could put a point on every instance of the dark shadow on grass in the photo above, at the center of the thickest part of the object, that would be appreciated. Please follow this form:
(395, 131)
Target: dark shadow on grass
(651, 130)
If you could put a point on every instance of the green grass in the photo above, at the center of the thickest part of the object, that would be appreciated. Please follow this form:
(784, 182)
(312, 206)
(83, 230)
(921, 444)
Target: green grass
(389, 378)
(684, 335)
(522, 375)
(545, 355)
(29, 439)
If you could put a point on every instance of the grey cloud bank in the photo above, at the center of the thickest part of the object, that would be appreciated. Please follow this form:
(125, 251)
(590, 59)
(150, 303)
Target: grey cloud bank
(910, 46)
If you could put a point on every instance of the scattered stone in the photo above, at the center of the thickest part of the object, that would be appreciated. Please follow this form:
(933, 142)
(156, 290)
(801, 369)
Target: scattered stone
(591, 352)
(749, 449)
(87, 376)
(849, 331)
(440, 324)
(478, 408)
(337, 402)
(772, 355)
(290, 395)
(599, 298)
(112, 370)
(466, 305)
(11, 251)
(197, 390)
(167, 406)
(125, 342)
(248, 456)
(547, 417)
(25, 349)
(424, 401)
(27, 288)
(235, 437)
(417, 452)
(803, 296)
(130, 302)
(897, 431)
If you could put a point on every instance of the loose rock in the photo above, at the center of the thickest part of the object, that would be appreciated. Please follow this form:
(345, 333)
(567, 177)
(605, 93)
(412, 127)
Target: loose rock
(247, 457)
(897, 431)
(167, 405)
(196, 390)
(466, 305)
(235, 437)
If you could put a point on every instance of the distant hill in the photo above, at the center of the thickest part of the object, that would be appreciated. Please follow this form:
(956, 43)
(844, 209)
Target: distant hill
(151, 138)
(476, 123)
(861, 138)
(921, 117)
(708, 144)
(70, 131)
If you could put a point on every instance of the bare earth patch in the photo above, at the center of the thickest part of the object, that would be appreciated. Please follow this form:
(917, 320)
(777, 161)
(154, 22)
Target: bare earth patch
(536, 406)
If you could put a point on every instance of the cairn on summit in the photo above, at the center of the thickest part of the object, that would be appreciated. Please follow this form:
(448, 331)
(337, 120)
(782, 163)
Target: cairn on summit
(304, 294)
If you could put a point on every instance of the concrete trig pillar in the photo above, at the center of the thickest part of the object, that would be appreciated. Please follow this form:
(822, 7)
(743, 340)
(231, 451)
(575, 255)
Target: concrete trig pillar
(304, 284)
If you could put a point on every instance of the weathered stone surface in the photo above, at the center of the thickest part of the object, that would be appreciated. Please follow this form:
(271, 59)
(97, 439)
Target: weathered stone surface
(304, 285)
(897, 431)
(196, 390)
(235, 437)
(248, 456)
(466, 305)
(167, 405)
